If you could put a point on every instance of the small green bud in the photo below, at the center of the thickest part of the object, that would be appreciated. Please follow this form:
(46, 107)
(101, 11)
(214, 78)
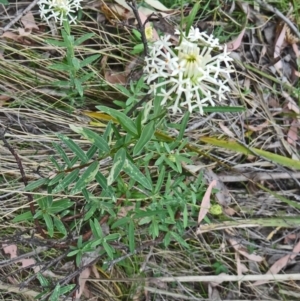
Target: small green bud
(216, 209)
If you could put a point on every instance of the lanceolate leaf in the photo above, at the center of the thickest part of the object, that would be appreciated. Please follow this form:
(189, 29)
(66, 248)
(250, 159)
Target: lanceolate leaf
(136, 174)
(93, 137)
(131, 236)
(74, 148)
(87, 177)
(70, 178)
(83, 39)
(146, 135)
(117, 166)
(36, 184)
(124, 120)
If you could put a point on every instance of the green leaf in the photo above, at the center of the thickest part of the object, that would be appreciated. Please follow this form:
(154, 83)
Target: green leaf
(131, 236)
(59, 226)
(91, 152)
(124, 120)
(86, 177)
(67, 288)
(90, 212)
(36, 184)
(23, 217)
(185, 217)
(136, 174)
(78, 86)
(191, 17)
(167, 239)
(70, 178)
(49, 224)
(160, 179)
(117, 166)
(96, 228)
(78, 259)
(89, 60)
(137, 49)
(74, 148)
(120, 222)
(38, 214)
(62, 204)
(146, 135)
(61, 83)
(56, 179)
(72, 253)
(180, 239)
(101, 180)
(183, 125)
(54, 296)
(113, 236)
(93, 137)
(62, 153)
(108, 249)
(60, 67)
(87, 77)
(123, 90)
(55, 163)
(83, 38)
(137, 34)
(55, 42)
(43, 280)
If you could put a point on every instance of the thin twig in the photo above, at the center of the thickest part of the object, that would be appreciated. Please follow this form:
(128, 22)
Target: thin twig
(280, 15)
(38, 250)
(208, 278)
(20, 15)
(141, 26)
(259, 176)
(20, 165)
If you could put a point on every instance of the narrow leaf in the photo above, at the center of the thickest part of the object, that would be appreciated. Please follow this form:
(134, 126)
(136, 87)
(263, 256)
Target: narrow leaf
(124, 120)
(146, 135)
(89, 60)
(62, 153)
(191, 17)
(70, 178)
(86, 177)
(183, 125)
(136, 174)
(49, 224)
(74, 148)
(23, 217)
(117, 166)
(59, 226)
(56, 179)
(93, 137)
(36, 184)
(131, 236)
(83, 38)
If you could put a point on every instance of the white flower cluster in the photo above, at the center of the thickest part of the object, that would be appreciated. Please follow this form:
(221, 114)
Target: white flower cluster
(61, 10)
(188, 72)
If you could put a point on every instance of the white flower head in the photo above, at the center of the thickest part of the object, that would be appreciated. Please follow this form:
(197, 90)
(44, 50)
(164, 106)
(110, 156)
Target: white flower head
(60, 10)
(192, 77)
